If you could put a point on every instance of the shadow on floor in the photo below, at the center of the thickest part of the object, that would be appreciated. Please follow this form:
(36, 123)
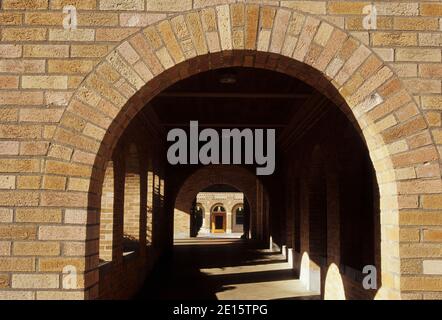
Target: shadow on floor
(218, 269)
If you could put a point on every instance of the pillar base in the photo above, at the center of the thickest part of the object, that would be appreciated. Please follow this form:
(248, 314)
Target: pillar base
(290, 257)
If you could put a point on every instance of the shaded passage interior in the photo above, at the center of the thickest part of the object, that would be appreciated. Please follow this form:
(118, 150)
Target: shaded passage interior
(318, 213)
(222, 269)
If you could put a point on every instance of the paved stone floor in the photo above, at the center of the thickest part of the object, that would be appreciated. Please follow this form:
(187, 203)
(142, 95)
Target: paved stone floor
(223, 269)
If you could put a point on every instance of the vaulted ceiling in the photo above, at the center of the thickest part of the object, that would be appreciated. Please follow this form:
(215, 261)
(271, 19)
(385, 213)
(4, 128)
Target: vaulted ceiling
(240, 98)
(234, 97)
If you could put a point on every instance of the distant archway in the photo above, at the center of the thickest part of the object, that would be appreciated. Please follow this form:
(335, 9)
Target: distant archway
(235, 176)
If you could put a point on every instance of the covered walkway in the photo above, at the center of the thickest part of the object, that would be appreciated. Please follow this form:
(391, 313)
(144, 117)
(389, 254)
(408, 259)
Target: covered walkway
(223, 269)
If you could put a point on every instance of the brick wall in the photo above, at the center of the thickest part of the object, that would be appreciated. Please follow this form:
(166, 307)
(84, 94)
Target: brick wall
(66, 97)
(107, 214)
(132, 189)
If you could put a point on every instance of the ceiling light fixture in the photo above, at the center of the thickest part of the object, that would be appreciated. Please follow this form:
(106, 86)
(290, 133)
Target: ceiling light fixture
(228, 78)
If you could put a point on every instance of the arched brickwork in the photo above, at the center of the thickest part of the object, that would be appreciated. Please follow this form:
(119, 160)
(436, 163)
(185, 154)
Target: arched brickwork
(235, 176)
(237, 227)
(280, 39)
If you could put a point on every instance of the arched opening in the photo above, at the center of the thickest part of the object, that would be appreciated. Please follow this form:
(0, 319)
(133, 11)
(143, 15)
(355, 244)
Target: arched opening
(197, 220)
(238, 218)
(107, 215)
(309, 216)
(130, 207)
(132, 201)
(218, 219)
(208, 186)
(334, 286)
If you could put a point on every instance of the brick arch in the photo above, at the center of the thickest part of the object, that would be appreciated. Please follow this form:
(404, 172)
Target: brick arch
(201, 207)
(233, 209)
(280, 39)
(235, 176)
(236, 206)
(216, 205)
